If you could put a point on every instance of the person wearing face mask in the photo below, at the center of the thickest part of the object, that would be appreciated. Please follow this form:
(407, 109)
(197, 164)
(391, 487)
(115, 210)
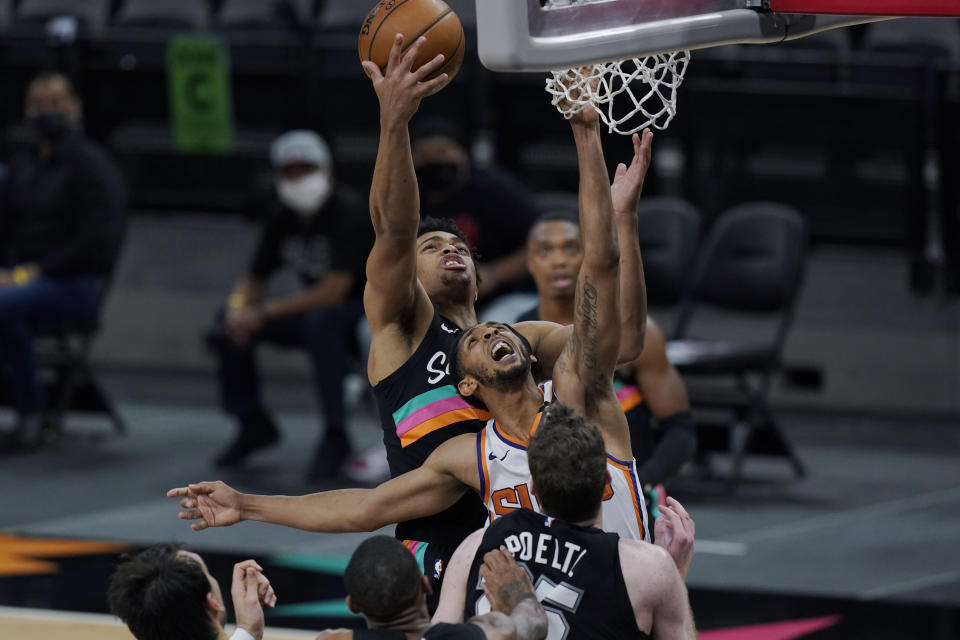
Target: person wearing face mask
(322, 234)
(62, 210)
(492, 207)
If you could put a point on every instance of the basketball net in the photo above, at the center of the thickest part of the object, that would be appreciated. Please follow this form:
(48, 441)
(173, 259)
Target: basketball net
(629, 95)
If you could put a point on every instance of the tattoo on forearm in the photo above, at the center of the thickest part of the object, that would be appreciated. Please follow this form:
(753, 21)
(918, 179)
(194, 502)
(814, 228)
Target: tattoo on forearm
(512, 593)
(586, 323)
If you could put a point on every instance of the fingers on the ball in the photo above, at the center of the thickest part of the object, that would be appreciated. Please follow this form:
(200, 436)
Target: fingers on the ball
(430, 87)
(412, 53)
(429, 66)
(395, 51)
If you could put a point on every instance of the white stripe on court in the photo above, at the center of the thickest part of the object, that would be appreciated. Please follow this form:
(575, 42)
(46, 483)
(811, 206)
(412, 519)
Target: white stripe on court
(907, 586)
(808, 525)
(720, 548)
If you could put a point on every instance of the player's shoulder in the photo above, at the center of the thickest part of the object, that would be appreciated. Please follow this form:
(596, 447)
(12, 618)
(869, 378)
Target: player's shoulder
(641, 554)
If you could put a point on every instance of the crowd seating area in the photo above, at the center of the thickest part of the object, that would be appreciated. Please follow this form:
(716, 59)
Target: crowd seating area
(853, 127)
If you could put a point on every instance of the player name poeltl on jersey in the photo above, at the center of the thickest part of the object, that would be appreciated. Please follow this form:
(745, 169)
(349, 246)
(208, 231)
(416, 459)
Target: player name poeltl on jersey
(546, 550)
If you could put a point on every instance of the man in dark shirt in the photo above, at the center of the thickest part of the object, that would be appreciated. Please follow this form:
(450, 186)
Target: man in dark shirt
(385, 585)
(62, 206)
(491, 207)
(321, 233)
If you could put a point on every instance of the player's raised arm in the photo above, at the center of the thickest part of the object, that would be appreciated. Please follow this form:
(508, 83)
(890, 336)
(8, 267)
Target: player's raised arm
(547, 339)
(427, 490)
(392, 293)
(625, 191)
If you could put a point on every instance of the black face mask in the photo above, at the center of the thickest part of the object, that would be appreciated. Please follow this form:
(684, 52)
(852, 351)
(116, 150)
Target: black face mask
(51, 126)
(438, 176)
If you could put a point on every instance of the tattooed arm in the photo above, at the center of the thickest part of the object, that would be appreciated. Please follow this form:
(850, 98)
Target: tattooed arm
(583, 374)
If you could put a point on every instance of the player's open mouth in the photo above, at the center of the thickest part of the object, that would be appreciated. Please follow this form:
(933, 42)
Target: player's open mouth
(561, 281)
(500, 350)
(453, 262)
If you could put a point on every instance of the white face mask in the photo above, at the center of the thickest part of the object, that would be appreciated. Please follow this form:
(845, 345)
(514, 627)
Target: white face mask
(307, 194)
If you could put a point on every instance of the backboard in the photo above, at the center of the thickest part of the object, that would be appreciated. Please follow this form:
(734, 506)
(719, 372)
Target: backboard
(540, 35)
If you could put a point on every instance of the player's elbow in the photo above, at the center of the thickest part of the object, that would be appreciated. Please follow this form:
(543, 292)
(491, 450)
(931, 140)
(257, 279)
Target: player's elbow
(604, 260)
(539, 627)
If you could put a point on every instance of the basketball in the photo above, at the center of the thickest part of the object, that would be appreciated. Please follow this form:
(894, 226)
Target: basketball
(433, 19)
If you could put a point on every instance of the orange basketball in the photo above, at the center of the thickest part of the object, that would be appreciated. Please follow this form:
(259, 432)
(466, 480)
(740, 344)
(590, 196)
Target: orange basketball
(433, 19)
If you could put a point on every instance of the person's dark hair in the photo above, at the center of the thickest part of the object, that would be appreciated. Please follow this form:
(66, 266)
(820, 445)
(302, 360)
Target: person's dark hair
(568, 463)
(439, 127)
(382, 578)
(160, 594)
(557, 215)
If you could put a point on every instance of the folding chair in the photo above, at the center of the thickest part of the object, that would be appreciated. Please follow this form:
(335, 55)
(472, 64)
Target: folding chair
(751, 263)
(669, 231)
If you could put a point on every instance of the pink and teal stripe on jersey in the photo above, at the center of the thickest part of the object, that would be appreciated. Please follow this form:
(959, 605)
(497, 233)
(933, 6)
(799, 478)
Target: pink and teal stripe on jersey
(432, 410)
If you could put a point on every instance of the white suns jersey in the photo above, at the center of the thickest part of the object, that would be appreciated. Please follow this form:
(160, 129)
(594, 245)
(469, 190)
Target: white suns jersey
(505, 481)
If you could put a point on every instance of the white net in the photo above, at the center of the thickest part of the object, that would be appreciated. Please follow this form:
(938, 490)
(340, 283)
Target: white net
(629, 95)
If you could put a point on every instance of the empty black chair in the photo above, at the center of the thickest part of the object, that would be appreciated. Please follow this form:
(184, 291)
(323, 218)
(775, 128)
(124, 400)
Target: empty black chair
(92, 14)
(270, 14)
(167, 14)
(751, 263)
(669, 231)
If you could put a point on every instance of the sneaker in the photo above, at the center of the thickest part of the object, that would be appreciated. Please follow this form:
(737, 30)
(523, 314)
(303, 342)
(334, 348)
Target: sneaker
(370, 467)
(254, 435)
(329, 456)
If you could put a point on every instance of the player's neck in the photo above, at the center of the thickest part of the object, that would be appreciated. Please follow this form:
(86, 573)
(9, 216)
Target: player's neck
(516, 410)
(464, 315)
(559, 310)
(413, 622)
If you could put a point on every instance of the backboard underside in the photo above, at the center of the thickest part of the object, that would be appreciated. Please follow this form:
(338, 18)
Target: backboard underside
(525, 35)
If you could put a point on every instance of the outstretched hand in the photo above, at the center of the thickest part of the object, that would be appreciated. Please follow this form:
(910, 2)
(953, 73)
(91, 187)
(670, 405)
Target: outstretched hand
(674, 531)
(399, 88)
(215, 504)
(628, 181)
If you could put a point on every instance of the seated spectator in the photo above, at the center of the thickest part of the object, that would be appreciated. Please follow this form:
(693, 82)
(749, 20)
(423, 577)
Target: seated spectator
(61, 223)
(167, 592)
(491, 207)
(323, 234)
(651, 392)
(385, 585)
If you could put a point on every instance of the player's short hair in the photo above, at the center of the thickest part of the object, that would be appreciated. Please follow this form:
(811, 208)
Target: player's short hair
(161, 594)
(382, 578)
(439, 127)
(568, 462)
(558, 215)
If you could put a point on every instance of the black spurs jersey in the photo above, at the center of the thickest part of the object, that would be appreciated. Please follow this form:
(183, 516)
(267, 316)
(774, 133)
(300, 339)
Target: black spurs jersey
(420, 409)
(575, 571)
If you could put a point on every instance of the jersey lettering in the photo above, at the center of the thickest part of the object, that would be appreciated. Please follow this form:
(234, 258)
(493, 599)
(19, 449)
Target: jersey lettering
(547, 551)
(439, 359)
(511, 499)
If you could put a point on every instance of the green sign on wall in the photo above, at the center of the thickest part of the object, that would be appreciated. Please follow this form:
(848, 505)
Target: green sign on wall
(201, 107)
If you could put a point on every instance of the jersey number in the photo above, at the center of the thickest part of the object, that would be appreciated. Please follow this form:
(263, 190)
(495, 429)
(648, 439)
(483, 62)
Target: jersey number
(511, 499)
(558, 600)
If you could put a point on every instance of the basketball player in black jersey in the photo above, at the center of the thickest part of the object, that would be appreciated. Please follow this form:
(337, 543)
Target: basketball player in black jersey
(420, 294)
(648, 390)
(386, 587)
(593, 585)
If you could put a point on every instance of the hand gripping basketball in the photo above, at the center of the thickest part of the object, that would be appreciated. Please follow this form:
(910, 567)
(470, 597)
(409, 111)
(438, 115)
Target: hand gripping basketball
(398, 87)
